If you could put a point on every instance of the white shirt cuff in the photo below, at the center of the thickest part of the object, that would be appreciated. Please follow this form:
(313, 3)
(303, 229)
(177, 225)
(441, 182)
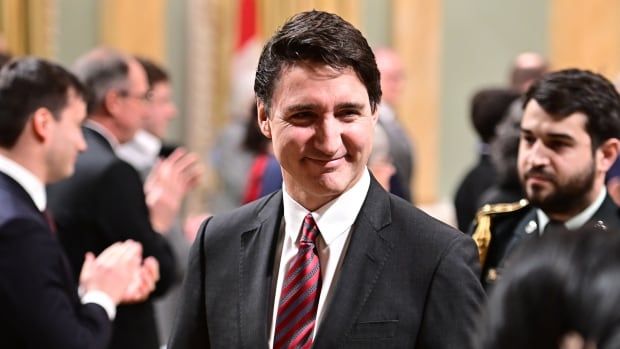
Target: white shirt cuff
(101, 298)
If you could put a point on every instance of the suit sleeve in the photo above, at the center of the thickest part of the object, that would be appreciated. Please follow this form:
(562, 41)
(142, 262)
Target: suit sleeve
(455, 297)
(122, 214)
(190, 329)
(40, 299)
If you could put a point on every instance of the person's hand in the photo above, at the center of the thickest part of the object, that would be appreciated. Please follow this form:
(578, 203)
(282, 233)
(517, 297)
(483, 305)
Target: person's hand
(143, 282)
(167, 185)
(113, 270)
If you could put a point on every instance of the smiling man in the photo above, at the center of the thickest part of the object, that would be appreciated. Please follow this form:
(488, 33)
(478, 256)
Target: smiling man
(569, 140)
(331, 260)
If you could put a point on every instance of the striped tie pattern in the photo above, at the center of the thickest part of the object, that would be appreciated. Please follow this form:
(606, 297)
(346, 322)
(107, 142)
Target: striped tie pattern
(301, 288)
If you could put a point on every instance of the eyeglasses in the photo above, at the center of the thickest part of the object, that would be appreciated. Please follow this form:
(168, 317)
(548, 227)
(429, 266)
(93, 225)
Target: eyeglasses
(145, 97)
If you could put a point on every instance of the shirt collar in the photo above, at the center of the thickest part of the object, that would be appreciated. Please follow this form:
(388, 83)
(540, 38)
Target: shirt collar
(104, 132)
(580, 219)
(334, 218)
(148, 143)
(31, 184)
(142, 151)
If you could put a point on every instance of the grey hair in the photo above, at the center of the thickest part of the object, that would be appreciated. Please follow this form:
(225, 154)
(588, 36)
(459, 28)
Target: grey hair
(101, 70)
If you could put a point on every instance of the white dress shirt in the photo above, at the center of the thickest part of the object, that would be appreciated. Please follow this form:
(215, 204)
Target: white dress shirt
(36, 190)
(335, 221)
(578, 220)
(141, 152)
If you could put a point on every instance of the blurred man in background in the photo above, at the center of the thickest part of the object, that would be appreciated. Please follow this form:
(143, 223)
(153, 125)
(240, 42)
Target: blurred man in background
(104, 201)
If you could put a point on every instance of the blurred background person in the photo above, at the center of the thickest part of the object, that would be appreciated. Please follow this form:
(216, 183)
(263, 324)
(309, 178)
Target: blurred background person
(41, 109)
(104, 201)
(561, 291)
(569, 140)
(488, 108)
(613, 176)
(170, 172)
(504, 150)
(527, 67)
(400, 145)
(264, 176)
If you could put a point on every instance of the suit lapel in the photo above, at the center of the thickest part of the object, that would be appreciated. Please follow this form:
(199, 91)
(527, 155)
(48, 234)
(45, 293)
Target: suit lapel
(366, 256)
(525, 230)
(256, 272)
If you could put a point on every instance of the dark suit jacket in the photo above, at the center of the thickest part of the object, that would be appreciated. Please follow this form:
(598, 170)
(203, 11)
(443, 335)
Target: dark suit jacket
(510, 230)
(407, 281)
(102, 203)
(40, 307)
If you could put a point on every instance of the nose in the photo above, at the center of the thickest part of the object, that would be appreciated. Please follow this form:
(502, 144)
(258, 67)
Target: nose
(328, 136)
(538, 155)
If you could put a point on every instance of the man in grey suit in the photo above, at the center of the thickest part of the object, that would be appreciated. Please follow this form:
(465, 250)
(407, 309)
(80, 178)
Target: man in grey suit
(366, 269)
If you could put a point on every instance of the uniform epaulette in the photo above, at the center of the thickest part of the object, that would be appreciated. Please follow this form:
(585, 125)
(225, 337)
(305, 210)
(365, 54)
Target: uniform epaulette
(482, 233)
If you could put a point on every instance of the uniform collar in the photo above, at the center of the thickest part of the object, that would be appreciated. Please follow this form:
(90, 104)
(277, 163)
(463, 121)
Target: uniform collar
(578, 220)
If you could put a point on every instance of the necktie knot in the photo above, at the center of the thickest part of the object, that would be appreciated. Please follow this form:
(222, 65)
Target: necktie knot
(309, 231)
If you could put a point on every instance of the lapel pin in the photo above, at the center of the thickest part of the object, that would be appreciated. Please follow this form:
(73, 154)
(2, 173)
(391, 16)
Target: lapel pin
(600, 225)
(531, 227)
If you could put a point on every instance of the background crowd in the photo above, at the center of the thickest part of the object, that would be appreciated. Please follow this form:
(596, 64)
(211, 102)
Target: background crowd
(540, 201)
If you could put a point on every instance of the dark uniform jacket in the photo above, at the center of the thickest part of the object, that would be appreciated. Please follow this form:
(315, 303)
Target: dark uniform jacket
(512, 224)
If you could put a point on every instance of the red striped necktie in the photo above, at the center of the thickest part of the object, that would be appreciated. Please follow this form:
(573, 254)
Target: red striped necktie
(301, 288)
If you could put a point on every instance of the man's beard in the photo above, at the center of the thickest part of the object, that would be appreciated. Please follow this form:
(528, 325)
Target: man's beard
(562, 199)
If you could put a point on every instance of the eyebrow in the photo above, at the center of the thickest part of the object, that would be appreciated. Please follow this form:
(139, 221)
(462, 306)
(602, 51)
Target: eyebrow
(350, 105)
(311, 106)
(552, 135)
(300, 107)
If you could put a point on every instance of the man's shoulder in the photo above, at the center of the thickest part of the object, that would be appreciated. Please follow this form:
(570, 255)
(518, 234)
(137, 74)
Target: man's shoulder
(15, 202)
(420, 227)
(248, 216)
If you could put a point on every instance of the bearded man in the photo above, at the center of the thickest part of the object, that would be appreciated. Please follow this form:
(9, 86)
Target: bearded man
(569, 140)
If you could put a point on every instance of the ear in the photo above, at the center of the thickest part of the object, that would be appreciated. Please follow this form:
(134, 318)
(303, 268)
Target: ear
(264, 123)
(42, 122)
(375, 115)
(608, 152)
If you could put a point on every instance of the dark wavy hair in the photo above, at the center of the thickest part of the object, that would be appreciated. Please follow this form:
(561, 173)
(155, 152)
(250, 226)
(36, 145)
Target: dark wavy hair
(28, 84)
(317, 37)
(565, 92)
(558, 284)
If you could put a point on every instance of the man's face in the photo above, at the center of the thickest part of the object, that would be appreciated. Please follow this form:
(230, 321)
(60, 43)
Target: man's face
(322, 129)
(67, 140)
(392, 76)
(161, 110)
(558, 170)
(132, 112)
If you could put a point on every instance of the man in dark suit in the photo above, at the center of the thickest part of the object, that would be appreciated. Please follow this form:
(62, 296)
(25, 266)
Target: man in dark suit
(569, 140)
(401, 147)
(331, 260)
(104, 201)
(41, 109)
